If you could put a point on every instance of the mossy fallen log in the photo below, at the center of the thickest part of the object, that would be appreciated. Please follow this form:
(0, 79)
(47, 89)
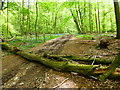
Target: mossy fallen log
(111, 69)
(82, 69)
(73, 58)
(57, 65)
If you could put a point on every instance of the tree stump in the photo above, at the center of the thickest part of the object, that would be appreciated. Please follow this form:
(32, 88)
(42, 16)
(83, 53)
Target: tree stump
(104, 43)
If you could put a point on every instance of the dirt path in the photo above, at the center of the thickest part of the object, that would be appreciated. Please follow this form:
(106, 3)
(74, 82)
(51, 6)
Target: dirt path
(20, 73)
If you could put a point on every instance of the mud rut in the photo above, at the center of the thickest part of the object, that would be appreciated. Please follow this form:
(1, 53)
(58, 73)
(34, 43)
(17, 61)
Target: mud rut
(20, 73)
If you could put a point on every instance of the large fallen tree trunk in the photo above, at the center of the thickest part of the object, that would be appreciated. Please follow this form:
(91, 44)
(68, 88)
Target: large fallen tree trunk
(86, 70)
(73, 58)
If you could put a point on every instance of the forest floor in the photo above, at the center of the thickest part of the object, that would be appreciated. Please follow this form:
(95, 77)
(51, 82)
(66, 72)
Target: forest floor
(20, 73)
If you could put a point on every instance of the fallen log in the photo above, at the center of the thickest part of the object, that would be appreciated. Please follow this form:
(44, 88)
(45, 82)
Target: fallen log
(73, 58)
(111, 69)
(85, 70)
(57, 65)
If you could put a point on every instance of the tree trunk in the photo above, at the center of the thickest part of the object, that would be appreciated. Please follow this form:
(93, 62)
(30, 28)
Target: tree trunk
(96, 20)
(81, 19)
(99, 18)
(7, 17)
(28, 19)
(111, 21)
(76, 22)
(103, 20)
(23, 17)
(36, 20)
(1, 4)
(78, 16)
(117, 14)
(55, 23)
(90, 18)
(84, 17)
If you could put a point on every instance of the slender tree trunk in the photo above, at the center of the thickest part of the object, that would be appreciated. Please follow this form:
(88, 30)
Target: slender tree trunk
(117, 14)
(99, 17)
(81, 19)
(36, 20)
(78, 17)
(76, 22)
(20, 19)
(7, 18)
(23, 31)
(28, 18)
(103, 20)
(111, 21)
(55, 23)
(47, 28)
(84, 17)
(96, 20)
(90, 18)
(1, 4)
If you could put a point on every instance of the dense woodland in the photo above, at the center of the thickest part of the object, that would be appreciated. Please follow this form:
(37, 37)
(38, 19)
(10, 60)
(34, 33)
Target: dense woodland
(30, 17)
(80, 37)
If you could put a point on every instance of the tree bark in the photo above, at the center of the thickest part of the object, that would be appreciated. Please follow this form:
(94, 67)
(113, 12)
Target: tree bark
(81, 19)
(7, 17)
(36, 20)
(96, 20)
(90, 17)
(117, 14)
(99, 17)
(23, 19)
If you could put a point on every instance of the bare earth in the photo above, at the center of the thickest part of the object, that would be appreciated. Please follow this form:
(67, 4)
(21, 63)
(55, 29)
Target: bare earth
(20, 73)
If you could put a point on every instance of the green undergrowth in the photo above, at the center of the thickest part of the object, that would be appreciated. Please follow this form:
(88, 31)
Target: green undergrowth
(8, 53)
(29, 42)
(93, 36)
(86, 37)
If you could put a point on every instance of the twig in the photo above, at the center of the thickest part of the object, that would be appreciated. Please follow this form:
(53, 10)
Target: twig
(93, 61)
(60, 83)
